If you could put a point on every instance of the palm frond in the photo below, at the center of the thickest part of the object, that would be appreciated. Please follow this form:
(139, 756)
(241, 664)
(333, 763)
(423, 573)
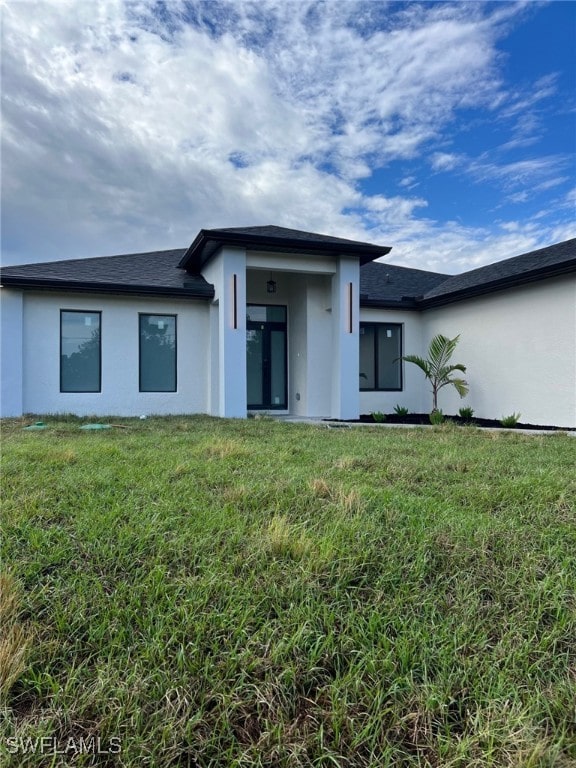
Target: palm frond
(441, 350)
(424, 365)
(460, 386)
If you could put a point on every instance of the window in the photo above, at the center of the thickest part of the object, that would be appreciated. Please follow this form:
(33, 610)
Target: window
(80, 352)
(380, 352)
(157, 353)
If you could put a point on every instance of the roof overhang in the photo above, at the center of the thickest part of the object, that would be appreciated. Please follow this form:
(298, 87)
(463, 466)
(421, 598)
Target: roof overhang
(406, 302)
(209, 241)
(47, 284)
(512, 281)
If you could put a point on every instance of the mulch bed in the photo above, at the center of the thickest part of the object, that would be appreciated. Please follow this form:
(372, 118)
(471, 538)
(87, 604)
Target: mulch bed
(424, 418)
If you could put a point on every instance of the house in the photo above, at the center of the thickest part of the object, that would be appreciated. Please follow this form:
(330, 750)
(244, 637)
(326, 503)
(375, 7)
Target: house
(291, 322)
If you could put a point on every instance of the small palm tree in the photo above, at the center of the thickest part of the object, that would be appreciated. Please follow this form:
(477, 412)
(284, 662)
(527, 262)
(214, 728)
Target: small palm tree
(437, 369)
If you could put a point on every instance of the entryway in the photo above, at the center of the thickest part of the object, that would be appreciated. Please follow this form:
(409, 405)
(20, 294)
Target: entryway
(266, 357)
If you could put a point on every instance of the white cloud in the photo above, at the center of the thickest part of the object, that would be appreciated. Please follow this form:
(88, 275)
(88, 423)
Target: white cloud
(408, 182)
(525, 173)
(129, 126)
(519, 197)
(455, 248)
(445, 161)
(521, 102)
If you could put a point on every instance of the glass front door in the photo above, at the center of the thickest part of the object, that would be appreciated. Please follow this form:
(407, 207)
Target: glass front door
(266, 351)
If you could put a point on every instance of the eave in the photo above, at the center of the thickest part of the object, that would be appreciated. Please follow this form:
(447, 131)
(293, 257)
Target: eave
(209, 241)
(29, 283)
(504, 283)
(406, 302)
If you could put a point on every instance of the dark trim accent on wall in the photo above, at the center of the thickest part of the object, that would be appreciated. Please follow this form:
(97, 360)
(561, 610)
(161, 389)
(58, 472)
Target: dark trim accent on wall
(350, 312)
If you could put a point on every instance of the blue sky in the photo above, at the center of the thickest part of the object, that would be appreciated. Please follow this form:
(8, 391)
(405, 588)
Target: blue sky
(445, 130)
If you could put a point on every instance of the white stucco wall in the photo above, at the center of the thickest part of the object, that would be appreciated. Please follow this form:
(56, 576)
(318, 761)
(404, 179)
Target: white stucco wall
(345, 340)
(292, 262)
(11, 374)
(519, 347)
(413, 395)
(120, 349)
(319, 332)
(227, 341)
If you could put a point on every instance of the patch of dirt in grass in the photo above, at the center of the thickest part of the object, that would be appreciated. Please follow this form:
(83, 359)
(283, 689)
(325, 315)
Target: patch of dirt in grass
(24, 704)
(246, 727)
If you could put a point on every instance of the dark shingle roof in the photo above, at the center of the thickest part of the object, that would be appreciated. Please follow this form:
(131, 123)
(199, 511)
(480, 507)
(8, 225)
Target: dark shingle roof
(386, 285)
(381, 285)
(554, 260)
(272, 231)
(155, 272)
(272, 238)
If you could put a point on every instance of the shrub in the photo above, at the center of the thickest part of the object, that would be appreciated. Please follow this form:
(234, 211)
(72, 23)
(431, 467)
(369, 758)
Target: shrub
(378, 416)
(466, 413)
(436, 417)
(401, 410)
(510, 421)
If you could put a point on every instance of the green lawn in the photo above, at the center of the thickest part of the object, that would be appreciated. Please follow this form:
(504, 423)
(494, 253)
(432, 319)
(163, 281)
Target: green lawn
(196, 592)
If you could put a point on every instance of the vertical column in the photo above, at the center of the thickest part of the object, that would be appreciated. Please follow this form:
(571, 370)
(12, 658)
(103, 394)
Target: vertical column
(233, 334)
(345, 340)
(213, 382)
(227, 272)
(11, 353)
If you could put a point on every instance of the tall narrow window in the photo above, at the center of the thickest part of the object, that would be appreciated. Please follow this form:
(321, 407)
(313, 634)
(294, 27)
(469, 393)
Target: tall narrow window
(157, 353)
(80, 352)
(380, 353)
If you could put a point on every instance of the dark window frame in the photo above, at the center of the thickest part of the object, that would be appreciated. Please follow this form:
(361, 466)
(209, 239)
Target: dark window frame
(83, 312)
(377, 326)
(157, 314)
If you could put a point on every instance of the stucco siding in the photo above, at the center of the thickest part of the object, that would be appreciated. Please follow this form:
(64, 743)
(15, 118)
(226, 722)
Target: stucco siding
(11, 373)
(227, 273)
(291, 262)
(319, 346)
(519, 347)
(120, 356)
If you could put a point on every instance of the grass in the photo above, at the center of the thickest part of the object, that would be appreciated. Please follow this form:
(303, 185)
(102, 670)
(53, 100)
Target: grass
(207, 593)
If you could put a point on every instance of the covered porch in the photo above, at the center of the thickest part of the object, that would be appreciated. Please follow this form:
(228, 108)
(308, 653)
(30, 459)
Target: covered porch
(284, 336)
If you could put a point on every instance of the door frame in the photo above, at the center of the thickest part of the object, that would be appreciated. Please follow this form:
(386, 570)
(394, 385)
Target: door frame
(267, 326)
